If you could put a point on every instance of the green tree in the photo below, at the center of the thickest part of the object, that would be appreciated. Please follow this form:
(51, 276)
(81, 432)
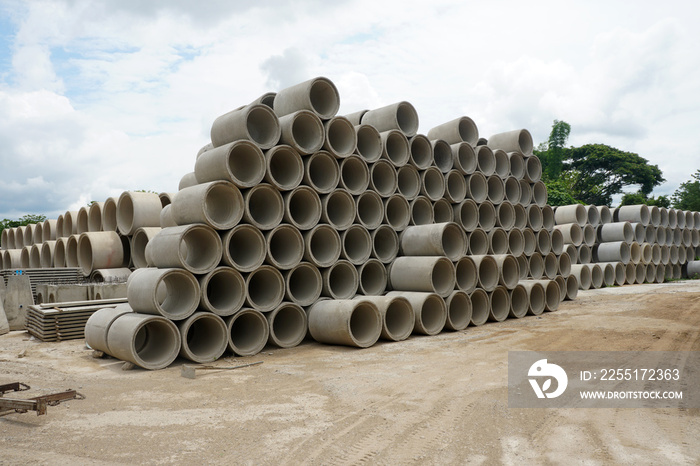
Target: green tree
(639, 198)
(553, 153)
(603, 171)
(687, 196)
(24, 220)
(559, 190)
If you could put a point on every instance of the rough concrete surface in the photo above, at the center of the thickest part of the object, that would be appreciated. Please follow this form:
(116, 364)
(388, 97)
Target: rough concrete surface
(427, 400)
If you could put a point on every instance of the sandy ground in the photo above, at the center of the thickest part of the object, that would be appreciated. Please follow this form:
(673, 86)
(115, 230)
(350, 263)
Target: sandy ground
(428, 400)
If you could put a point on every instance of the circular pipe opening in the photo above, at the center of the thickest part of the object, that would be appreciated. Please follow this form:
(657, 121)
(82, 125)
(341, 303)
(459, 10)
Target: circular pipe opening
(459, 311)
(285, 247)
(265, 287)
(324, 98)
(480, 307)
(204, 337)
(354, 174)
(155, 344)
(476, 187)
(408, 182)
(396, 148)
(369, 143)
(442, 155)
(478, 242)
(341, 137)
(322, 172)
(500, 304)
(248, 332)
(263, 126)
(421, 152)
(303, 208)
(323, 245)
(223, 291)
(244, 248)
(433, 314)
(339, 209)
(385, 244)
(341, 280)
(487, 216)
(370, 209)
(304, 284)
(383, 178)
(421, 211)
(264, 207)
(288, 325)
(464, 158)
(285, 169)
(365, 324)
(399, 319)
(246, 164)
(357, 244)
(373, 278)
(485, 160)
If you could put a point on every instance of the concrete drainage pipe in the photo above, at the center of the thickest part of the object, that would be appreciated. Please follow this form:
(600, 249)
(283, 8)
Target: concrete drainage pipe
(535, 296)
(395, 147)
(633, 213)
(618, 251)
(536, 266)
(552, 295)
(517, 164)
(35, 256)
(196, 248)
(455, 186)
(487, 216)
(462, 129)
(303, 284)
(356, 244)
(421, 211)
(256, 123)
(59, 254)
(478, 242)
(318, 95)
(338, 209)
(265, 289)
(340, 137)
(244, 248)
(401, 116)
(369, 143)
(218, 204)
(432, 183)
(498, 241)
(530, 242)
(248, 332)
(172, 293)
(572, 232)
(459, 310)
(547, 218)
(340, 280)
(572, 287)
(240, 162)
(466, 277)
(98, 324)
(322, 245)
(619, 231)
(519, 303)
(439, 239)
(138, 245)
(94, 220)
(369, 210)
(398, 318)
(564, 265)
(373, 278)
(499, 304)
(442, 155)
(288, 325)
(524, 265)
(284, 167)
(480, 307)
(539, 192)
(488, 271)
(397, 212)
(428, 274)
(551, 266)
(584, 254)
(525, 193)
(285, 246)
(204, 337)
(354, 174)
(408, 182)
(442, 211)
(421, 151)
(223, 291)
(485, 160)
(72, 251)
(264, 207)
(48, 249)
(464, 157)
(508, 270)
(466, 214)
(302, 208)
(477, 187)
(429, 309)
(148, 341)
(512, 190)
(385, 244)
(582, 273)
(100, 250)
(519, 140)
(502, 164)
(516, 242)
(605, 214)
(345, 322)
(495, 189)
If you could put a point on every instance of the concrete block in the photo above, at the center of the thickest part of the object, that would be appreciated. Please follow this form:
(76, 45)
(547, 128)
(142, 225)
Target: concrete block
(107, 291)
(66, 293)
(17, 298)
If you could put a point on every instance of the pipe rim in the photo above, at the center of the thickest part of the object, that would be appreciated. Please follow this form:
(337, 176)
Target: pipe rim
(248, 332)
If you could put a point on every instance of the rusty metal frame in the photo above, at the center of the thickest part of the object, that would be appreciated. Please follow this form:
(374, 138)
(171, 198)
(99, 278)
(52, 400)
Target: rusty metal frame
(38, 403)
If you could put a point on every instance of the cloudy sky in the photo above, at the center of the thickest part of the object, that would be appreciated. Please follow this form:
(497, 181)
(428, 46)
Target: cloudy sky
(101, 97)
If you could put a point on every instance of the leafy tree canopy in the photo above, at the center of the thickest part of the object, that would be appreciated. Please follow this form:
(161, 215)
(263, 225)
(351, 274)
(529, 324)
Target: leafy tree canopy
(553, 153)
(687, 196)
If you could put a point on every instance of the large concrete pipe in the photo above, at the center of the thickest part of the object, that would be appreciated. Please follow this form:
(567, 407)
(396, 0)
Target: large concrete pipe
(584, 254)
(466, 274)
(650, 234)
(265, 288)
(535, 292)
(421, 211)
(432, 183)
(81, 222)
(617, 251)
(488, 271)
(660, 273)
(70, 226)
(605, 214)
(463, 158)
(478, 242)
(248, 332)
(354, 174)
(525, 193)
(369, 143)
(219, 204)
(223, 291)
(4, 239)
(477, 188)
(673, 254)
(487, 216)
(592, 215)
(442, 211)
(534, 217)
(693, 268)
(204, 337)
(256, 123)
(480, 307)
(285, 246)
(136, 210)
(589, 235)
(369, 210)
(535, 266)
(98, 324)
(551, 265)
(303, 208)
(485, 160)
(171, 293)
(649, 273)
(24, 257)
(618, 231)
(499, 304)
(455, 186)
(462, 129)
(557, 241)
(340, 137)
(303, 284)
(398, 317)
(517, 165)
(356, 244)
(502, 164)
(530, 242)
(583, 275)
(516, 242)
(395, 147)
(373, 278)
(12, 259)
(244, 248)
(34, 256)
(421, 151)
(552, 294)
(340, 281)
(561, 282)
(533, 170)
(639, 232)
(572, 232)
(408, 182)
(109, 215)
(432, 274)
(72, 251)
(187, 180)
(498, 241)
(263, 206)
(689, 219)
(466, 214)
(518, 140)
(686, 237)
(59, 254)
(680, 219)
(47, 254)
(287, 325)
(682, 255)
(519, 303)
(148, 341)
(544, 242)
(345, 322)
(429, 309)
(634, 213)
(572, 287)
(520, 217)
(563, 264)
(508, 270)
(383, 178)
(495, 189)
(539, 191)
(338, 209)
(665, 254)
(284, 167)
(397, 212)
(19, 234)
(240, 162)
(608, 270)
(635, 253)
(196, 248)
(547, 218)
(459, 310)
(94, 217)
(100, 250)
(439, 239)
(322, 245)
(660, 235)
(512, 192)
(318, 95)
(166, 198)
(401, 116)
(442, 155)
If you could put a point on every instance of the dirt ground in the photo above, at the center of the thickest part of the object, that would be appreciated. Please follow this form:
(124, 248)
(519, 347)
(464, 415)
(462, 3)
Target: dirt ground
(427, 400)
